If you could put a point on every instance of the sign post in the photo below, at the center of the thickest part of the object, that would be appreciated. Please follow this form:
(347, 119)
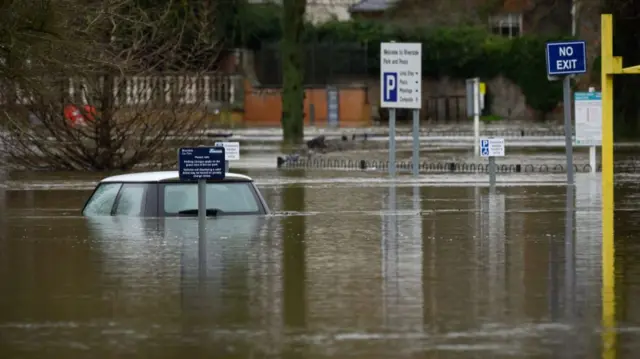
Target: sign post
(333, 106)
(201, 164)
(401, 87)
(588, 111)
(492, 148)
(475, 105)
(565, 59)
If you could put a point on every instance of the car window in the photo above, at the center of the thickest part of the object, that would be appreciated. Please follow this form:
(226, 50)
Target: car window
(130, 199)
(102, 200)
(230, 197)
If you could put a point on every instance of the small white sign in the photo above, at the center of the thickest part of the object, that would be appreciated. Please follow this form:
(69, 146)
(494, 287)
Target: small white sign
(492, 147)
(588, 112)
(231, 150)
(401, 75)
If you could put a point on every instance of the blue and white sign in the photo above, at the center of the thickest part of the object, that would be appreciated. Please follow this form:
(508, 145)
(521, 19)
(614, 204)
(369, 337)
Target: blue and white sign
(484, 148)
(588, 115)
(390, 87)
(401, 75)
(201, 163)
(566, 58)
(492, 147)
(231, 150)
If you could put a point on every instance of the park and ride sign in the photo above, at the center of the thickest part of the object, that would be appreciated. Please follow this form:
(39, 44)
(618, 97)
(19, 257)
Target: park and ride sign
(401, 75)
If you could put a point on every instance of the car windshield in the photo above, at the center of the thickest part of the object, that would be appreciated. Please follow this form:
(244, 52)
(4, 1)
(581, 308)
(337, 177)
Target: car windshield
(225, 197)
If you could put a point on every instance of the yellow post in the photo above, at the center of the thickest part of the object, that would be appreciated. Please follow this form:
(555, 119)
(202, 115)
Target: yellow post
(607, 71)
(608, 265)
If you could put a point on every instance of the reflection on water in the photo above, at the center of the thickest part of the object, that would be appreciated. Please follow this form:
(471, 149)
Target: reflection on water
(359, 272)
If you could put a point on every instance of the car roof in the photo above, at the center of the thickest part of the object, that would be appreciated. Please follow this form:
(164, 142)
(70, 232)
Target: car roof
(165, 176)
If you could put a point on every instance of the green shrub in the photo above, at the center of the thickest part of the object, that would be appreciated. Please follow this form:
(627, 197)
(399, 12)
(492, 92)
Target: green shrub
(455, 52)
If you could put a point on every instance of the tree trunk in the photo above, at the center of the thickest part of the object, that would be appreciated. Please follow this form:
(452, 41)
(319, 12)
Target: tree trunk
(293, 71)
(104, 142)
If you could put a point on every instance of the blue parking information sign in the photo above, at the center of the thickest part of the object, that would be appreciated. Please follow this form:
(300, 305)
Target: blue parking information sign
(390, 86)
(566, 58)
(401, 75)
(201, 163)
(484, 148)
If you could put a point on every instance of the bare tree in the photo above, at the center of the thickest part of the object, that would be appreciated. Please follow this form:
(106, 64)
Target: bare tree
(130, 80)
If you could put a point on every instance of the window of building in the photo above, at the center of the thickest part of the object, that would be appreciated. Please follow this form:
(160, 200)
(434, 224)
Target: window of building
(509, 25)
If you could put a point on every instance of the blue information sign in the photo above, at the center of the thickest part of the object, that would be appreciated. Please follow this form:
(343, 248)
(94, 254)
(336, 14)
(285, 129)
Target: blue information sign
(201, 163)
(566, 58)
(484, 148)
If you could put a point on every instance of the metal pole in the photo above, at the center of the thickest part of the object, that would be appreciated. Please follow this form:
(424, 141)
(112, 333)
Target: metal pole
(416, 143)
(392, 142)
(569, 255)
(492, 172)
(476, 115)
(568, 133)
(592, 158)
(202, 211)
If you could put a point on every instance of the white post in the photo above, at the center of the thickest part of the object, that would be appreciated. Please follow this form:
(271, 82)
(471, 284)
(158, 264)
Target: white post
(592, 158)
(476, 115)
(592, 148)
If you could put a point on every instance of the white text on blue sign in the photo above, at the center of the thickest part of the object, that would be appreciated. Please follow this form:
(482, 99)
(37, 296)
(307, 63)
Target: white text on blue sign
(566, 58)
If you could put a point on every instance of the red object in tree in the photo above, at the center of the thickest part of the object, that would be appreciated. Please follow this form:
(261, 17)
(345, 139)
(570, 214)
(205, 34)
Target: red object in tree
(90, 112)
(75, 117)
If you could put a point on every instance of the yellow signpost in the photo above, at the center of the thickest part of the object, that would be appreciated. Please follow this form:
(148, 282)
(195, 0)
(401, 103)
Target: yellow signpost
(611, 65)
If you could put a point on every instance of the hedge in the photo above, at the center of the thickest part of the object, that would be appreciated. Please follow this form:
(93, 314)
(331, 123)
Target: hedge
(455, 52)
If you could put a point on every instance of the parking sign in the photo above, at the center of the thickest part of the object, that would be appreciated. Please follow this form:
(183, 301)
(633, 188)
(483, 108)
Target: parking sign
(401, 75)
(492, 147)
(484, 148)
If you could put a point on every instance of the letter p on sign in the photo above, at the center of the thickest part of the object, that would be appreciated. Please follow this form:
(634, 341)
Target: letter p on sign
(390, 88)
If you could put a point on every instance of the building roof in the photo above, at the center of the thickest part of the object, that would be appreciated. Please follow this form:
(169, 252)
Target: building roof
(163, 176)
(372, 5)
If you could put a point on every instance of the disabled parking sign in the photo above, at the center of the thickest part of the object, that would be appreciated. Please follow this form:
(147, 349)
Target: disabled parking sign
(492, 147)
(484, 148)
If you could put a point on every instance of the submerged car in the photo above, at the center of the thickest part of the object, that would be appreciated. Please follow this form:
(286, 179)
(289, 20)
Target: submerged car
(163, 194)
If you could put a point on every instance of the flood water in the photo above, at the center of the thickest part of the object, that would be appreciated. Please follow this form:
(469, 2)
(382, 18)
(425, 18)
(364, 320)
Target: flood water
(350, 266)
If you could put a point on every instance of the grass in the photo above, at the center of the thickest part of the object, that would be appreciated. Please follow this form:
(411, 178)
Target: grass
(490, 118)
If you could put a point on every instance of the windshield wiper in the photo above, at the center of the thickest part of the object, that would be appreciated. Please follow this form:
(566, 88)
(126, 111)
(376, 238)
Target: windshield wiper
(211, 212)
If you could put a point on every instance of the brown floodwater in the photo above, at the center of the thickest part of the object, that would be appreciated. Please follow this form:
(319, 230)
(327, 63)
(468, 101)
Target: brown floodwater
(349, 266)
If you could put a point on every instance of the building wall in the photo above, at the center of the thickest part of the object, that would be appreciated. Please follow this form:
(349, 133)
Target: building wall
(263, 106)
(538, 16)
(322, 10)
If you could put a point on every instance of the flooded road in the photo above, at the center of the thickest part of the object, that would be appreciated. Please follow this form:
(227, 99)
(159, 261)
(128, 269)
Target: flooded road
(350, 266)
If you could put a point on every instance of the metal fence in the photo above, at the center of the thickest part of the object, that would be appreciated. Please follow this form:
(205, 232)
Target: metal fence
(325, 63)
(160, 89)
